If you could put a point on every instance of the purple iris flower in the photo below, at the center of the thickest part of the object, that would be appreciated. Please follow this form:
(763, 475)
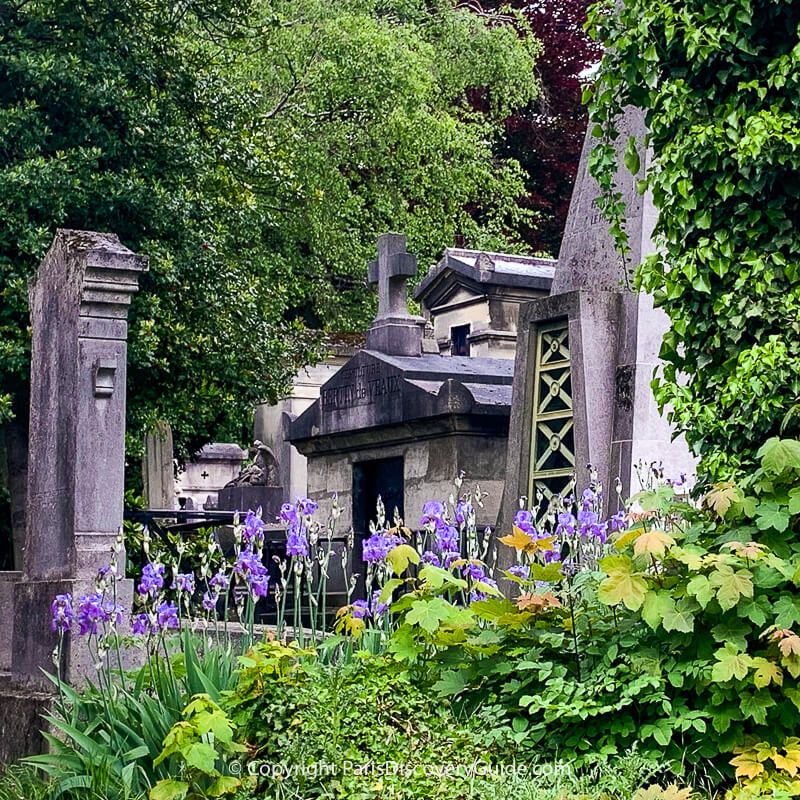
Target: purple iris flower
(446, 538)
(63, 615)
(167, 615)
(184, 582)
(378, 609)
(249, 564)
(524, 521)
(449, 557)
(140, 624)
(377, 547)
(432, 511)
(520, 571)
(113, 611)
(429, 557)
(463, 510)
(210, 601)
(259, 585)
(589, 498)
(220, 582)
(305, 505)
(360, 609)
(152, 579)
(476, 594)
(566, 524)
(617, 522)
(474, 571)
(90, 612)
(288, 513)
(552, 555)
(297, 540)
(253, 527)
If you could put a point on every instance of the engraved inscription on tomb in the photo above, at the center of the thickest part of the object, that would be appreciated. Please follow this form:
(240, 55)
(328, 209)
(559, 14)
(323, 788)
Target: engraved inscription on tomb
(360, 386)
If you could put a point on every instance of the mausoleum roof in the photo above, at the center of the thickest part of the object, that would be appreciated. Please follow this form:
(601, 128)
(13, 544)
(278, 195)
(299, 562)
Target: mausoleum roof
(486, 269)
(414, 395)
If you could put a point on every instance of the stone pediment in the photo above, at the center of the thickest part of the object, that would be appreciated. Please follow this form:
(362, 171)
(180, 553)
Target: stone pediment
(376, 390)
(482, 274)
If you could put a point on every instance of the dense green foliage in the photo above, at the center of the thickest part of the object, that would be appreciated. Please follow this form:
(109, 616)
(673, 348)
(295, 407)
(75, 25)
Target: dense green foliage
(254, 149)
(719, 84)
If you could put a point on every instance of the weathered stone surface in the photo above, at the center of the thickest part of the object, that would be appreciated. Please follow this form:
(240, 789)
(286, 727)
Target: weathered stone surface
(244, 498)
(394, 329)
(588, 258)
(158, 471)
(21, 710)
(420, 417)
(79, 300)
(614, 339)
(375, 390)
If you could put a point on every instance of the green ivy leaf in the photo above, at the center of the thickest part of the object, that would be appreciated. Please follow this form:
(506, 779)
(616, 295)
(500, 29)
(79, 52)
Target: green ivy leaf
(632, 160)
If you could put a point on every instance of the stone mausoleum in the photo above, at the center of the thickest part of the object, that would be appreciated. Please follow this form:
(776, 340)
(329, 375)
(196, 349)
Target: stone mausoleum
(472, 299)
(401, 421)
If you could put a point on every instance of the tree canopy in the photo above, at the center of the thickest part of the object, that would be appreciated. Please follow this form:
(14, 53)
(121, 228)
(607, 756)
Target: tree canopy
(253, 149)
(719, 82)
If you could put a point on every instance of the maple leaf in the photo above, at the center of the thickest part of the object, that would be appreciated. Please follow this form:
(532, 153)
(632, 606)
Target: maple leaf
(731, 585)
(730, 664)
(519, 540)
(400, 556)
(538, 602)
(790, 762)
(747, 765)
(751, 550)
(653, 542)
(720, 497)
(789, 645)
(775, 634)
(655, 792)
(778, 455)
(766, 672)
(623, 587)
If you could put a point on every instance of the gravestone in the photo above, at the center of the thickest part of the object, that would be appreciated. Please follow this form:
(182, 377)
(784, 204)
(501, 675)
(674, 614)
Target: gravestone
(79, 302)
(586, 355)
(158, 470)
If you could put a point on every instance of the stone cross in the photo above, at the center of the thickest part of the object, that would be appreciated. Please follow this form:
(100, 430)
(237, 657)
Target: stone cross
(390, 271)
(394, 331)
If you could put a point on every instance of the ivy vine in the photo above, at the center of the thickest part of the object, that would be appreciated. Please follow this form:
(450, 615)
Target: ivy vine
(720, 84)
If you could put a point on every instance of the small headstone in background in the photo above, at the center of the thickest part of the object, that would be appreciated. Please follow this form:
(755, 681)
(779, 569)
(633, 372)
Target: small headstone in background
(158, 467)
